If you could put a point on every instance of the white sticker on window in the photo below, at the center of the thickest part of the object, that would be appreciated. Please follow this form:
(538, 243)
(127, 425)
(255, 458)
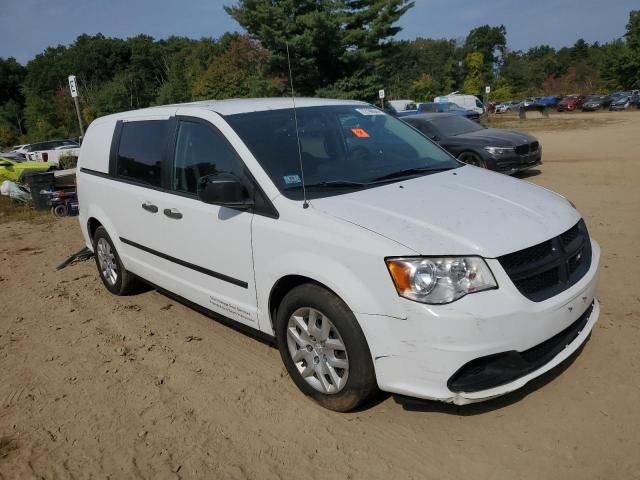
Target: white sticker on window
(369, 111)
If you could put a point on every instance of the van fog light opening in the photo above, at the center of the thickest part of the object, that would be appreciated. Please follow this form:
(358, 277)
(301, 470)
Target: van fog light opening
(440, 280)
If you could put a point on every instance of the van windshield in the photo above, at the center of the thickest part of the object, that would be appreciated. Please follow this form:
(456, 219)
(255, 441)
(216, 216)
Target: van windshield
(344, 148)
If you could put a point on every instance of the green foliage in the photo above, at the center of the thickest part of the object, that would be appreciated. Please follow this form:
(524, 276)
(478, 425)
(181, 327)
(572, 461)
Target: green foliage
(424, 88)
(491, 42)
(239, 72)
(329, 40)
(339, 48)
(629, 61)
(473, 82)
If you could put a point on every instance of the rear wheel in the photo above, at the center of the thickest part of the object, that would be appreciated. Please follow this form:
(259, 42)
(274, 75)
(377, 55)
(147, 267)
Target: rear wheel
(324, 349)
(472, 159)
(112, 273)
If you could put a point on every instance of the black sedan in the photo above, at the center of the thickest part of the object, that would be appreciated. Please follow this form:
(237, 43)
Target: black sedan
(596, 102)
(500, 150)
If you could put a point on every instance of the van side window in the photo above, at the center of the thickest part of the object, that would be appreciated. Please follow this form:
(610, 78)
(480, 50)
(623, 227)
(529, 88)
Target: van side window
(142, 144)
(479, 104)
(201, 150)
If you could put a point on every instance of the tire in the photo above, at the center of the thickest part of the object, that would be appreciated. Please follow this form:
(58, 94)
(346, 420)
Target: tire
(471, 158)
(349, 378)
(114, 276)
(59, 210)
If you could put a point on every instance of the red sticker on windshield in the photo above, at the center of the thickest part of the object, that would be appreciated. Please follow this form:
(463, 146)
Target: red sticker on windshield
(360, 132)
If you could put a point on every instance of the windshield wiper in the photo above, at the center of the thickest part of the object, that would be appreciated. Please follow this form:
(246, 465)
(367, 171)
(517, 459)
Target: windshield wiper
(408, 172)
(330, 184)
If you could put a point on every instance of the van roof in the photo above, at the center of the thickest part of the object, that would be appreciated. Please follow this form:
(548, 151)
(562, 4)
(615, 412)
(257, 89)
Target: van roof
(245, 105)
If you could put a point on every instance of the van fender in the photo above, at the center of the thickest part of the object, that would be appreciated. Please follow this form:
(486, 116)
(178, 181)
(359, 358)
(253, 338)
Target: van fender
(372, 293)
(95, 211)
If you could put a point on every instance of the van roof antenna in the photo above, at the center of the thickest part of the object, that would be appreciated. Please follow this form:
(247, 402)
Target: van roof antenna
(305, 203)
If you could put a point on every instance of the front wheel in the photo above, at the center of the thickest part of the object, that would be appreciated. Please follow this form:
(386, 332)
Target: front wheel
(471, 158)
(324, 349)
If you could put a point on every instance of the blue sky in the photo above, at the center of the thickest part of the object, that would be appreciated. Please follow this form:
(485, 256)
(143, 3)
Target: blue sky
(28, 26)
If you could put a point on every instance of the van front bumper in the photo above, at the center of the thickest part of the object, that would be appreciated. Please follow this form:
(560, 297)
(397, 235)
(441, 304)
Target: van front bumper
(484, 345)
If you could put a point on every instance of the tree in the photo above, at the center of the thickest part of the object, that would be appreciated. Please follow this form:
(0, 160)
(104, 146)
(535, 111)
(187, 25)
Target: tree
(424, 88)
(632, 34)
(491, 42)
(11, 100)
(239, 72)
(473, 82)
(311, 28)
(630, 61)
(329, 40)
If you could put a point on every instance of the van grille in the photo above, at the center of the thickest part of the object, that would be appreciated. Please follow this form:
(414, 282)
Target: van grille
(546, 269)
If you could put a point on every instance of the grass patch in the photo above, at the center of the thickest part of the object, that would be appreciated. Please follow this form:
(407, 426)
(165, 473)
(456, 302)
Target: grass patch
(13, 212)
(556, 122)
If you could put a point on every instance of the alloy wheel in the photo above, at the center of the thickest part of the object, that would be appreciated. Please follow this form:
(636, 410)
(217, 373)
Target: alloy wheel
(317, 350)
(107, 260)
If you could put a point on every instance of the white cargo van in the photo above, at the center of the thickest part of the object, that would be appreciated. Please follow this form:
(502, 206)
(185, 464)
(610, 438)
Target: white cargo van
(470, 102)
(372, 257)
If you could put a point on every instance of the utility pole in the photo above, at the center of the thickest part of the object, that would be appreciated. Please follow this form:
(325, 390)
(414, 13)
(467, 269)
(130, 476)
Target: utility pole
(73, 88)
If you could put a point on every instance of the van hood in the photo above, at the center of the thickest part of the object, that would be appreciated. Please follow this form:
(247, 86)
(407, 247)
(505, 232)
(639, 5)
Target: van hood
(465, 211)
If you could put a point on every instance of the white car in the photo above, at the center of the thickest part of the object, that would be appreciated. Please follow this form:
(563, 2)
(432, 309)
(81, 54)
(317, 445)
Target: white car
(402, 105)
(52, 151)
(371, 256)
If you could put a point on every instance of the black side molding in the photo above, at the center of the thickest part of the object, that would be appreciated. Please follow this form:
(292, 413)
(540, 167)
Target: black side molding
(94, 172)
(205, 271)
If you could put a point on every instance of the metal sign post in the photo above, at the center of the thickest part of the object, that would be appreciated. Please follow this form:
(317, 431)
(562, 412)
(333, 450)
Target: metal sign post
(487, 91)
(73, 88)
(381, 96)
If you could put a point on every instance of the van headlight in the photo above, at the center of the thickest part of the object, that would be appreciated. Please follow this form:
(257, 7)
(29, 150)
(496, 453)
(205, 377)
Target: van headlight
(499, 151)
(440, 280)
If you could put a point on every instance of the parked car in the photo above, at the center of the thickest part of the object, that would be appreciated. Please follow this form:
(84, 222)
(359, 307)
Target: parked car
(14, 169)
(49, 145)
(571, 103)
(401, 105)
(622, 103)
(507, 107)
(400, 108)
(16, 148)
(596, 102)
(496, 149)
(63, 157)
(448, 107)
(532, 104)
(470, 102)
(550, 101)
(52, 151)
(393, 266)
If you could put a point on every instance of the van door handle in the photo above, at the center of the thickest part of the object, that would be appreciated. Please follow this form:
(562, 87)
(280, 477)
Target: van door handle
(150, 207)
(172, 213)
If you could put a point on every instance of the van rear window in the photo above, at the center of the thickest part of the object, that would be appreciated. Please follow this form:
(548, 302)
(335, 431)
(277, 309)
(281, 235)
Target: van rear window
(142, 145)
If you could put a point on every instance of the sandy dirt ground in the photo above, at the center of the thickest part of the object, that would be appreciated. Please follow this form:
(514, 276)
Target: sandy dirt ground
(95, 386)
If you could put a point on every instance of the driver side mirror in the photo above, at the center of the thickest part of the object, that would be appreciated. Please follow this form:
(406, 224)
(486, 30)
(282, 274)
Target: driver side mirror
(225, 190)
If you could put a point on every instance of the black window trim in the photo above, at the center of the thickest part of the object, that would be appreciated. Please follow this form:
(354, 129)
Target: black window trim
(263, 207)
(115, 147)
